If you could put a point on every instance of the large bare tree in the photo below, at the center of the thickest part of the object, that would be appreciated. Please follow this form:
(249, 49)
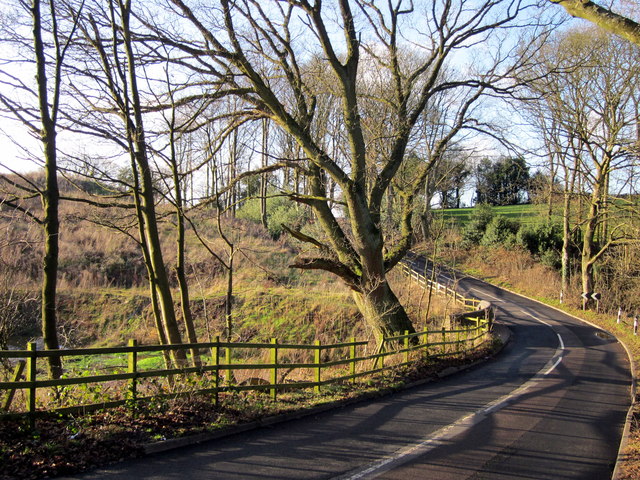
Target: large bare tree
(586, 111)
(275, 55)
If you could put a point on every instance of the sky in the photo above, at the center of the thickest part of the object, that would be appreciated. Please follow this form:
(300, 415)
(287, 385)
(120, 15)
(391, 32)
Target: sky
(13, 137)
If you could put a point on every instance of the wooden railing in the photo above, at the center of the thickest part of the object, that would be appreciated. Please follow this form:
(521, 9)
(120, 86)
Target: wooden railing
(107, 377)
(477, 310)
(128, 381)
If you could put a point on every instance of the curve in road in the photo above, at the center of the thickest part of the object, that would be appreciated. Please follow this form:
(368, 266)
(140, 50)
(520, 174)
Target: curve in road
(551, 405)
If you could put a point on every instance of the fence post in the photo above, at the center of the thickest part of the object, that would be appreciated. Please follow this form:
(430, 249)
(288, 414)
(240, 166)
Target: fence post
(274, 368)
(444, 340)
(227, 358)
(619, 314)
(465, 344)
(352, 358)
(458, 340)
(133, 369)
(406, 346)
(426, 342)
(31, 378)
(635, 325)
(17, 374)
(215, 361)
(317, 354)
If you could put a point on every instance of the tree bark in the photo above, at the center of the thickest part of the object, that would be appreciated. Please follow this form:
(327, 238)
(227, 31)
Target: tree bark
(50, 263)
(263, 177)
(603, 18)
(183, 285)
(382, 310)
(589, 247)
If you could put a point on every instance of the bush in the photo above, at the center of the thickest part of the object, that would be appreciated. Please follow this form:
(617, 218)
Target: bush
(501, 231)
(280, 210)
(551, 258)
(538, 239)
(544, 241)
(473, 232)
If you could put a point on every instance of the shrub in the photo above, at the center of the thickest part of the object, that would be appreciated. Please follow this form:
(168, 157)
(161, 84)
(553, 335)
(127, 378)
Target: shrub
(544, 241)
(551, 258)
(540, 238)
(473, 232)
(500, 231)
(280, 210)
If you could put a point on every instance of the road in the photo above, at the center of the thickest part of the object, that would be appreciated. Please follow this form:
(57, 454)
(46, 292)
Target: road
(551, 405)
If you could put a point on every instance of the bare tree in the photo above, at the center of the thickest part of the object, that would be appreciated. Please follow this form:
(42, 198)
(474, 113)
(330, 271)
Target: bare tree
(589, 120)
(113, 62)
(259, 50)
(53, 31)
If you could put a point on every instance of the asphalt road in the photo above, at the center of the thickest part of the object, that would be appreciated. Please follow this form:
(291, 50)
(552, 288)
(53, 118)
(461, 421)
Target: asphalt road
(551, 405)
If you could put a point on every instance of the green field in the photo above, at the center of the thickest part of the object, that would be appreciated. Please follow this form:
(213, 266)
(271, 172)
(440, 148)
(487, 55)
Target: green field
(527, 213)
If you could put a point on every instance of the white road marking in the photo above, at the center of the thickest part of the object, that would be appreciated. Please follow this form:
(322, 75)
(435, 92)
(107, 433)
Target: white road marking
(446, 433)
(485, 294)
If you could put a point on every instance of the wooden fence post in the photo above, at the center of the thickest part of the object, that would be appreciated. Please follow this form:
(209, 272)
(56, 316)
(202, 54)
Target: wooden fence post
(227, 357)
(17, 374)
(406, 346)
(215, 361)
(133, 369)
(274, 368)
(426, 342)
(317, 354)
(444, 340)
(31, 378)
(382, 350)
(352, 358)
(465, 344)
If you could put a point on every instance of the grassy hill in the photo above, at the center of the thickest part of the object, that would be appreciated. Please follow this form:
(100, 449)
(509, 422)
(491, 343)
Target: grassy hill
(526, 213)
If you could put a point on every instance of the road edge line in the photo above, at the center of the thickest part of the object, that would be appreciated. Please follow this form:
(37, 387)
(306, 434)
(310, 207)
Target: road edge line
(632, 364)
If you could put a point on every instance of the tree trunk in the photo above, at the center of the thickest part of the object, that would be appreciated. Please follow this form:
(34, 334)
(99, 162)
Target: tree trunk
(185, 304)
(587, 283)
(50, 197)
(566, 242)
(589, 241)
(50, 265)
(155, 308)
(184, 291)
(382, 311)
(231, 174)
(263, 177)
(228, 304)
(157, 263)
(136, 137)
(375, 299)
